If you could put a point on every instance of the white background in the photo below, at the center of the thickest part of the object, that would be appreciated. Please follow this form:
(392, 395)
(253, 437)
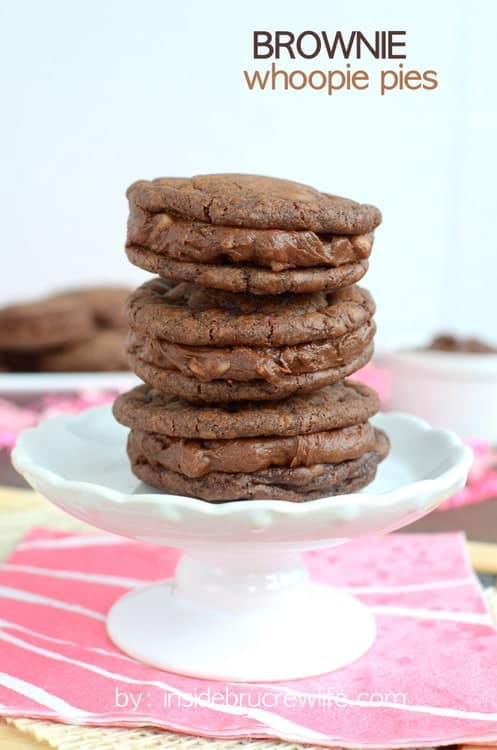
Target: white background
(96, 94)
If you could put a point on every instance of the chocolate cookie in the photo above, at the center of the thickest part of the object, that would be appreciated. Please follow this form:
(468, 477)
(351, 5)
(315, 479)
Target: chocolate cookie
(276, 483)
(105, 303)
(276, 249)
(331, 408)
(104, 352)
(196, 316)
(44, 324)
(253, 201)
(250, 279)
(242, 363)
(230, 390)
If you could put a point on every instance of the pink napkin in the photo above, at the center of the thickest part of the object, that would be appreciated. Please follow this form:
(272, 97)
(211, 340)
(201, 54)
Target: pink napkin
(482, 480)
(15, 417)
(430, 677)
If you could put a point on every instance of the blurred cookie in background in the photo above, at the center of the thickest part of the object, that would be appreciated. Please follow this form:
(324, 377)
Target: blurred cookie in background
(447, 342)
(80, 330)
(103, 352)
(105, 304)
(43, 324)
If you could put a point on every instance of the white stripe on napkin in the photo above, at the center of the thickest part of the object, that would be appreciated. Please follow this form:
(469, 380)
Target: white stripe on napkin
(75, 541)
(454, 713)
(20, 595)
(39, 695)
(451, 583)
(75, 575)
(9, 625)
(267, 719)
(434, 614)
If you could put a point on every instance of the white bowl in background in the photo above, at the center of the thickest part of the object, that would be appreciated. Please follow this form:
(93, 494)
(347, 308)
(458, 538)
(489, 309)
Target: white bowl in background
(450, 390)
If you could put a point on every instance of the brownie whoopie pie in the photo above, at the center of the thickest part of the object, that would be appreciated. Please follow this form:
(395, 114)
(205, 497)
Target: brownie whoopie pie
(297, 449)
(301, 342)
(248, 233)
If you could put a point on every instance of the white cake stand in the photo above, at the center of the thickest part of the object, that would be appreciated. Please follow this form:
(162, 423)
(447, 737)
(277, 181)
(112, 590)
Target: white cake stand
(241, 606)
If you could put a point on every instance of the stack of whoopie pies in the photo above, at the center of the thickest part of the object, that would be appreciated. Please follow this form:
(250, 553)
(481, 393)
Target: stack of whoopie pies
(245, 339)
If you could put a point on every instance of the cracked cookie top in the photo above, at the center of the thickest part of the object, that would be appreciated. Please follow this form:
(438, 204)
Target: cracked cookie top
(253, 201)
(189, 314)
(333, 407)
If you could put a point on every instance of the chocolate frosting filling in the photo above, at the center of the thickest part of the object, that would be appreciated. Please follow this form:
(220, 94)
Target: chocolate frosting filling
(243, 363)
(196, 458)
(277, 249)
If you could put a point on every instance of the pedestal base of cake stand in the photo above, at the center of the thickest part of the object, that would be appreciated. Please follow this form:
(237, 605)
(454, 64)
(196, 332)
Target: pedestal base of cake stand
(250, 617)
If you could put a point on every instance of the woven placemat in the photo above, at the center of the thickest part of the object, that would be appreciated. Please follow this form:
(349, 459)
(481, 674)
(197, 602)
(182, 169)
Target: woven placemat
(22, 509)
(65, 737)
